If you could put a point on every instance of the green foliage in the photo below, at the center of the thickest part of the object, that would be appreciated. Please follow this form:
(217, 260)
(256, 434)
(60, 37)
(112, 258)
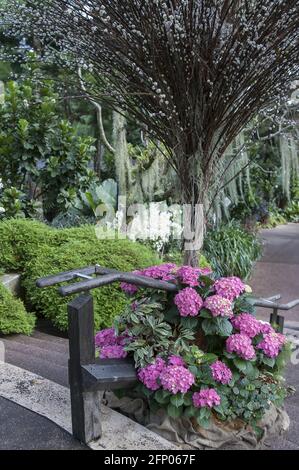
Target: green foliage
(12, 203)
(249, 399)
(19, 240)
(292, 212)
(13, 316)
(176, 257)
(41, 153)
(147, 323)
(100, 200)
(274, 218)
(231, 250)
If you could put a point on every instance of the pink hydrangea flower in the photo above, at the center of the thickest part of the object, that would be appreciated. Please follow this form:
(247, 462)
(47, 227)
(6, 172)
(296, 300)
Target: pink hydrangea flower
(221, 373)
(176, 361)
(219, 306)
(106, 337)
(206, 397)
(130, 289)
(162, 271)
(189, 275)
(176, 379)
(266, 328)
(272, 344)
(113, 352)
(241, 345)
(205, 271)
(188, 302)
(229, 287)
(150, 374)
(247, 324)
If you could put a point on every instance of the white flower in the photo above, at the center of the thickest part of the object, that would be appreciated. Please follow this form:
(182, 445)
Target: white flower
(2, 210)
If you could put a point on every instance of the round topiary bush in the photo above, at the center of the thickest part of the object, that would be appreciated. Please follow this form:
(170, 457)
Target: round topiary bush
(13, 316)
(109, 301)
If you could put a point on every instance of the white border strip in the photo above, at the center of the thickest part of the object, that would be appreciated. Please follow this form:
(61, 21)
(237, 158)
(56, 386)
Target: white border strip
(52, 401)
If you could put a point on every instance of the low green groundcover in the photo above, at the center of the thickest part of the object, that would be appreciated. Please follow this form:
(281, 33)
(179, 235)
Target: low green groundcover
(36, 250)
(13, 316)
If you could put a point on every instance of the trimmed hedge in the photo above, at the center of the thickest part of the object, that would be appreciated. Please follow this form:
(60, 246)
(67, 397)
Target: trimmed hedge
(37, 250)
(13, 316)
(19, 239)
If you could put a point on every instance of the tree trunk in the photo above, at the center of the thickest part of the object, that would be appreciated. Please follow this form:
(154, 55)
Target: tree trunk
(121, 151)
(194, 228)
(193, 198)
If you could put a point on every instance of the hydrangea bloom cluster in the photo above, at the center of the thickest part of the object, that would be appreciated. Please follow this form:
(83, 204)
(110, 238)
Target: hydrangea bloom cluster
(150, 374)
(266, 328)
(130, 289)
(206, 397)
(247, 324)
(219, 306)
(272, 344)
(229, 287)
(176, 379)
(111, 346)
(188, 302)
(221, 373)
(162, 272)
(106, 337)
(241, 345)
(176, 361)
(113, 352)
(189, 275)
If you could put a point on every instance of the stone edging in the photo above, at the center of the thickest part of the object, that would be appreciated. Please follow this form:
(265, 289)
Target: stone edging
(52, 401)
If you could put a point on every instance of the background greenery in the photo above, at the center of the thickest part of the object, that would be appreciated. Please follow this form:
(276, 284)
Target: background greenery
(55, 169)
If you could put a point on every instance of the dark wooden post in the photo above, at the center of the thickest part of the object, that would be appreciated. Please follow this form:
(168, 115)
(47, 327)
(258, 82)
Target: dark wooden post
(277, 320)
(86, 421)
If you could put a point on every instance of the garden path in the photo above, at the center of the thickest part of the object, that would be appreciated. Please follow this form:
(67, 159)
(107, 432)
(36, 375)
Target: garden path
(278, 272)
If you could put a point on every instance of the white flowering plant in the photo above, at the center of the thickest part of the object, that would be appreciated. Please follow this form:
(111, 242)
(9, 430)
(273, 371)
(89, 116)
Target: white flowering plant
(199, 352)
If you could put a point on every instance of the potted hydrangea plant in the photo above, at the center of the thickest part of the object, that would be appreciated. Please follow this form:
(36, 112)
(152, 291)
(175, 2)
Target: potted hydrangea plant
(200, 353)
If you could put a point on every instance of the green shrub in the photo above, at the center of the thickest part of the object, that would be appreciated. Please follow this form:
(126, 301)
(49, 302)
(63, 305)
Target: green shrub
(109, 301)
(177, 257)
(19, 238)
(292, 212)
(13, 316)
(36, 250)
(231, 250)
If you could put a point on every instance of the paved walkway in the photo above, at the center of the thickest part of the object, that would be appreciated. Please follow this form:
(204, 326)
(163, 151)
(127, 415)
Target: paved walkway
(278, 270)
(47, 354)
